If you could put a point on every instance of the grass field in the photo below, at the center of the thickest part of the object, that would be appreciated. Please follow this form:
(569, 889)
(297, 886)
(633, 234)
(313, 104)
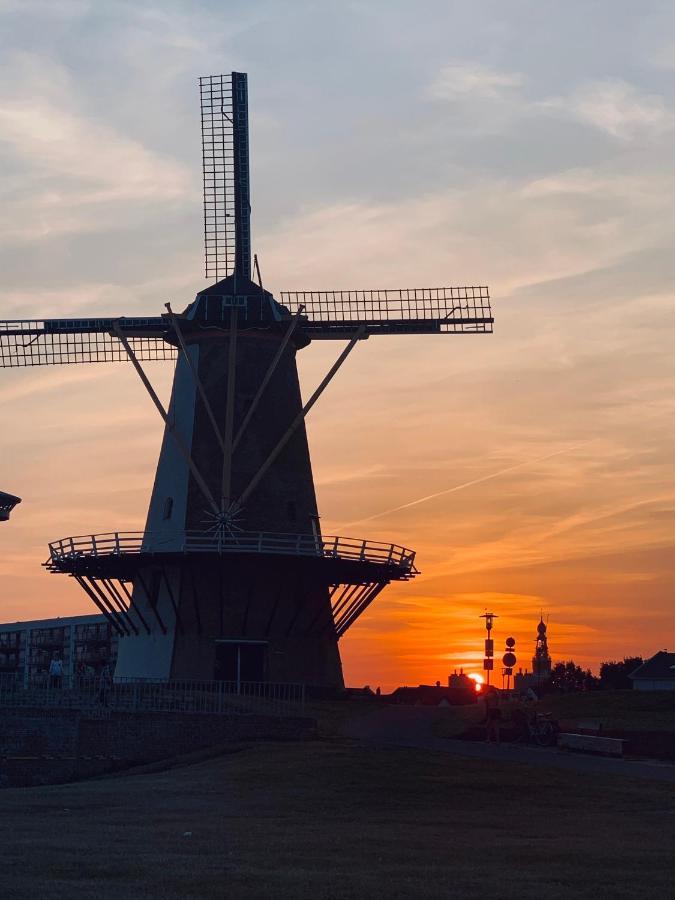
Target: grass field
(617, 711)
(332, 819)
(630, 710)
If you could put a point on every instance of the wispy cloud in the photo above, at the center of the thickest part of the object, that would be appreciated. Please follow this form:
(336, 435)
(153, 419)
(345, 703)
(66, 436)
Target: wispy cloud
(617, 108)
(464, 485)
(468, 79)
(71, 164)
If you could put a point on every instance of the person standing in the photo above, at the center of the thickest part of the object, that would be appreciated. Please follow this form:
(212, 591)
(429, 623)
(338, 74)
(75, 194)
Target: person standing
(493, 716)
(104, 685)
(56, 672)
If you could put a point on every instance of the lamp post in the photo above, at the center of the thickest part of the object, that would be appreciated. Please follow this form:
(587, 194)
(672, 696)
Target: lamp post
(488, 661)
(509, 660)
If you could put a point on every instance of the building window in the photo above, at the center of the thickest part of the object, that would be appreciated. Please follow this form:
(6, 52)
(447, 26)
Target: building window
(168, 508)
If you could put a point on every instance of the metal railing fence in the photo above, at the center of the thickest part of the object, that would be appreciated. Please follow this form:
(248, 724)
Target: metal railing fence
(118, 542)
(228, 698)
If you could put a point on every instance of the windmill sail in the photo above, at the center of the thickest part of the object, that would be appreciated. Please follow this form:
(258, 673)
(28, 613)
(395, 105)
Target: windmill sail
(227, 211)
(334, 315)
(325, 315)
(45, 342)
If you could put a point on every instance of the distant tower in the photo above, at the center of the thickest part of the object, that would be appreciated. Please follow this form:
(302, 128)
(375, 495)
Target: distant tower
(541, 661)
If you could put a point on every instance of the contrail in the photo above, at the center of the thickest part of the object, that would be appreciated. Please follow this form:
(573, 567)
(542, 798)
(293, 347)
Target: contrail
(466, 484)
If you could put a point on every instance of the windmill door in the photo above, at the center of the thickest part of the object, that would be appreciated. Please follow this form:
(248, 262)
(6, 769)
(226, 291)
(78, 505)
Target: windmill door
(241, 661)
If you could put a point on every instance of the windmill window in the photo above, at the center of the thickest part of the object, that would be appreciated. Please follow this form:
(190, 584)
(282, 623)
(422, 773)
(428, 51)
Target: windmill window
(168, 508)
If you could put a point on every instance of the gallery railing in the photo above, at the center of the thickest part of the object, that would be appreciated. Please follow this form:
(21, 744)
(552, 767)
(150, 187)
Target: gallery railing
(135, 542)
(228, 698)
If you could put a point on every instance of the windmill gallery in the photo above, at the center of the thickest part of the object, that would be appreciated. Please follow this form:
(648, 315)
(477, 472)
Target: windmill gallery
(232, 578)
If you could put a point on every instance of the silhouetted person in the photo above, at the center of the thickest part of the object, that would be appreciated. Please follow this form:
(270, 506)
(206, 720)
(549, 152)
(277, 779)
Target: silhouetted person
(80, 674)
(493, 715)
(55, 672)
(104, 685)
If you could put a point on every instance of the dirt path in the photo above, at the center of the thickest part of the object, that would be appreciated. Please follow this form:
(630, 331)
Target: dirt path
(412, 726)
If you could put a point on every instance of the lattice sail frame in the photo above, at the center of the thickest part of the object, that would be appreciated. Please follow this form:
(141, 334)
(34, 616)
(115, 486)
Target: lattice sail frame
(327, 315)
(226, 181)
(48, 342)
(446, 310)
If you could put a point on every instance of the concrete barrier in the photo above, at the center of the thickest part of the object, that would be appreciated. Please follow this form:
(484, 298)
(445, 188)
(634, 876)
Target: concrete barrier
(587, 743)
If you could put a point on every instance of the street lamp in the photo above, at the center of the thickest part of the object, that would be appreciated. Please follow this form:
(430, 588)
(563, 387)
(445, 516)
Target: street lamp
(488, 661)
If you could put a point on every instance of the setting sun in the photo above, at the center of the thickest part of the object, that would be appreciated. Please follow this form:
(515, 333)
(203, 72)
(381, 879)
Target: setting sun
(479, 681)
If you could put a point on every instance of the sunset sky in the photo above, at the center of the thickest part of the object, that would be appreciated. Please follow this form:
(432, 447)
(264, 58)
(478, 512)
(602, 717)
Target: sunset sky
(528, 146)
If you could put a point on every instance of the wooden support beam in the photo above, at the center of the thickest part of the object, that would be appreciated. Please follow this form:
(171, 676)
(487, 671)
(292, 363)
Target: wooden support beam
(119, 601)
(93, 597)
(179, 624)
(268, 376)
(95, 589)
(278, 596)
(345, 597)
(170, 426)
(151, 603)
(299, 605)
(352, 609)
(196, 378)
(134, 606)
(116, 601)
(364, 603)
(301, 416)
(226, 484)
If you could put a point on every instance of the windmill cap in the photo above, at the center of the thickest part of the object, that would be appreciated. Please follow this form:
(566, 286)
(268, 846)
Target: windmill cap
(214, 304)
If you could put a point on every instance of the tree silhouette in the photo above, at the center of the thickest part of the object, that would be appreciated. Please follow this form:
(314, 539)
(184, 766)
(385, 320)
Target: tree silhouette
(567, 677)
(614, 674)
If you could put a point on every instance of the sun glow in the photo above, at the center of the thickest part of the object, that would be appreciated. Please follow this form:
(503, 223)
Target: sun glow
(479, 682)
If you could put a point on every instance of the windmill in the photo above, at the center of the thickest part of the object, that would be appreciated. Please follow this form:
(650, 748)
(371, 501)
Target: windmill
(7, 504)
(232, 578)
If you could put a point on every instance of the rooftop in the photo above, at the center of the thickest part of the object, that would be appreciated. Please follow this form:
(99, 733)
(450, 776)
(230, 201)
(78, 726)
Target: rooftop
(661, 665)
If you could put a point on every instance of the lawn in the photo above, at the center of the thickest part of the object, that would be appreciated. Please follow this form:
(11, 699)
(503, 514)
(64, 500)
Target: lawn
(331, 819)
(617, 710)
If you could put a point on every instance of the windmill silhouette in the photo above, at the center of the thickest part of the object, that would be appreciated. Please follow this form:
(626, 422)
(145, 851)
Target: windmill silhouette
(232, 577)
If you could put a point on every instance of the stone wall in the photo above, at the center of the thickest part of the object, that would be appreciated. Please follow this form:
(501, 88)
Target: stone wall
(42, 746)
(146, 737)
(36, 732)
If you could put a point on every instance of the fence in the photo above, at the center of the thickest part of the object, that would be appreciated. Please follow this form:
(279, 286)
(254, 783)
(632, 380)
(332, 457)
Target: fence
(118, 543)
(228, 698)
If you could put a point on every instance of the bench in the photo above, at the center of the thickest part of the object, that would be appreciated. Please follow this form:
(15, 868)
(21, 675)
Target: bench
(591, 743)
